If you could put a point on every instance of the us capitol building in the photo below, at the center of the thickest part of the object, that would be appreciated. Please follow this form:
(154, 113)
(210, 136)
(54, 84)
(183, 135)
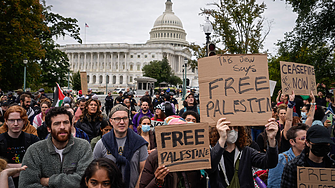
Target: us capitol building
(118, 64)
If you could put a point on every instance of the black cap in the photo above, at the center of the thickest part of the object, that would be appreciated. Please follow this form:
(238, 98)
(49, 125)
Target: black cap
(318, 134)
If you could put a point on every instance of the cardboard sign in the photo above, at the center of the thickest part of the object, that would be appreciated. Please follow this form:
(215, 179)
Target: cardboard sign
(83, 79)
(155, 123)
(235, 87)
(297, 77)
(315, 177)
(183, 147)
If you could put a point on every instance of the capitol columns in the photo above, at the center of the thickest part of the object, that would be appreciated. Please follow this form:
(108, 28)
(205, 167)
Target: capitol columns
(85, 62)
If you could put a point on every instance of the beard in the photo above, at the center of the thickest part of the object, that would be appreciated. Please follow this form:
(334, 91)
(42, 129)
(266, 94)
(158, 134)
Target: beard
(60, 138)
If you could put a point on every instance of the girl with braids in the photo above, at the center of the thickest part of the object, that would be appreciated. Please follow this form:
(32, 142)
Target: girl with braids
(91, 118)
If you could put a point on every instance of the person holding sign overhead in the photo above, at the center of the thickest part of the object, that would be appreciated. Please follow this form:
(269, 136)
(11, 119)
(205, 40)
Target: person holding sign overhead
(232, 160)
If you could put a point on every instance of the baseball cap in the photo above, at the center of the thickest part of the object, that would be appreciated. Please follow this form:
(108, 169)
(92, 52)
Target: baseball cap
(41, 90)
(318, 134)
(19, 90)
(80, 92)
(188, 94)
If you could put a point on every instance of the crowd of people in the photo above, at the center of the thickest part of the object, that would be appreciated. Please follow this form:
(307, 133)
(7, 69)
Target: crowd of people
(80, 145)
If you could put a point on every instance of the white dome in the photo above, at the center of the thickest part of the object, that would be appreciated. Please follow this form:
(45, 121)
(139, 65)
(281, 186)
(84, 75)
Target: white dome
(168, 29)
(168, 20)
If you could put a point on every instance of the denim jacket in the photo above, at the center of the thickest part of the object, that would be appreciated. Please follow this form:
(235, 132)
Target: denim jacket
(274, 178)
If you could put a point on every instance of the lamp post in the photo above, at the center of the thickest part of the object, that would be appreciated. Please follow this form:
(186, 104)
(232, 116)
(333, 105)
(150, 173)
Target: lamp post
(208, 28)
(184, 78)
(25, 61)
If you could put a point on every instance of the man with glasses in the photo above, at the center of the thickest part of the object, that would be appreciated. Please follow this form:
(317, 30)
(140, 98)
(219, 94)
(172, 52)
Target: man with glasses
(315, 155)
(15, 142)
(296, 135)
(123, 146)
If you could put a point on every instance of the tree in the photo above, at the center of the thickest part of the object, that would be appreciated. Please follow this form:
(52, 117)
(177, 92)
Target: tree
(238, 24)
(76, 81)
(27, 31)
(161, 70)
(312, 40)
(21, 25)
(55, 64)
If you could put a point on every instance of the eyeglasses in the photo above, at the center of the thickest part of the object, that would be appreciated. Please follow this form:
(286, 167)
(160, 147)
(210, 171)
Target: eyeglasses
(302, 138)
(145, 124)
(118, 119)
(12, 121)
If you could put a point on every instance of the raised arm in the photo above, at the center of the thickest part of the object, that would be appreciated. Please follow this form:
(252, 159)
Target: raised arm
(289, 114)
(310, 117)
(279, 94)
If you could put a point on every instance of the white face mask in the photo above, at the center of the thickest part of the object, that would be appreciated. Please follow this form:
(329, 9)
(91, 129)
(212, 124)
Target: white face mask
(232, 136)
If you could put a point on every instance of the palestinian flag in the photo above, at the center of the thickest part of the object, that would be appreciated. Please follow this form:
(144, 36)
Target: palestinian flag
(58, 97)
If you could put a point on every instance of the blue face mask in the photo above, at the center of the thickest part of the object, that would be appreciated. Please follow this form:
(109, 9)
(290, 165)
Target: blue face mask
(145, 128)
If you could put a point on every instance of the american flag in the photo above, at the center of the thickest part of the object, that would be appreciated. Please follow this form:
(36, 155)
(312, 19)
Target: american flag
(86, 25)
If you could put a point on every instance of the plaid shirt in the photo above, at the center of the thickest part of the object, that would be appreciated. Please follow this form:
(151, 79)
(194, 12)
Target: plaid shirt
(289, 176)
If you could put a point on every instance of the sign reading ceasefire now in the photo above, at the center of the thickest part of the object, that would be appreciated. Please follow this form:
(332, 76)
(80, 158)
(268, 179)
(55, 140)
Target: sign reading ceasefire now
(297, 77)
(183, 147)
(235, 87)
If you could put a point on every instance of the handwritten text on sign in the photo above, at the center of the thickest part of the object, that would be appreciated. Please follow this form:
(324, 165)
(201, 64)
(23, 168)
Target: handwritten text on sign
(297, 77)
(315, 177)
(235, 87)
(183, 147)
(155, 123)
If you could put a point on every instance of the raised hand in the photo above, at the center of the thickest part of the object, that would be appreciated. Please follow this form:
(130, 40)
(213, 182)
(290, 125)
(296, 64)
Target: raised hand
(292, 96)
(160, 174)
(222, 127)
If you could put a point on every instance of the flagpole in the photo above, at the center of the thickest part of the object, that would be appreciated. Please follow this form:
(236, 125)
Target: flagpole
(85, 33)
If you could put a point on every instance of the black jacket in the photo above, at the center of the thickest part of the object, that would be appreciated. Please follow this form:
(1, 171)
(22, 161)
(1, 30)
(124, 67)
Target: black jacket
(249, 158)
(90, 128)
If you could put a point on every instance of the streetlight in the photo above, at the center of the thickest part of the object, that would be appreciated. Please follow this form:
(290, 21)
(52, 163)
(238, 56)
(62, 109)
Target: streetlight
(25, 61)
(208, 29)
(184, 78)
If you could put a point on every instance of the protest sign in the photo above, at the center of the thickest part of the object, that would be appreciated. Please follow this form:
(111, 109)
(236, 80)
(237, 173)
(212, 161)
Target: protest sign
(235, 87)
(155, 123)
(83, 79)
(297, 77)
(272, 87)
(315, 177)
(183, 147)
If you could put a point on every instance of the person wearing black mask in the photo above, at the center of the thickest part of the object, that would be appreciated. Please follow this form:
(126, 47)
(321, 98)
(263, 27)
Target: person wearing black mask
(315, 154)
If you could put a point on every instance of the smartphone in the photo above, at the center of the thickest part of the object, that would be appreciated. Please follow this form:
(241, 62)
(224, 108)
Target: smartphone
(330, 117)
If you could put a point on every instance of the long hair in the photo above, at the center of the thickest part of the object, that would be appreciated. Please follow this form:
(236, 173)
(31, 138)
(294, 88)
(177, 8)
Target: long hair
(139, 129)
(19, 109)
(243, 138)
(162, 115)
(97, 116)
(113, 172)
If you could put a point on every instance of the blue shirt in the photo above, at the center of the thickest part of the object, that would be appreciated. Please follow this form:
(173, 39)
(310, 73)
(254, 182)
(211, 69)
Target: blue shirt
(274, 176)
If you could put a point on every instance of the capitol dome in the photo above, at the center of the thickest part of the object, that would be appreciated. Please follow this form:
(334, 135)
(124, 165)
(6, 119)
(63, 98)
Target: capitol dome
(168, 29)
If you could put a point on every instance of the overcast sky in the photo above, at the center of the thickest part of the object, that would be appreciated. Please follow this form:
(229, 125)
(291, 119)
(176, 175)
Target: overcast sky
(130, 21)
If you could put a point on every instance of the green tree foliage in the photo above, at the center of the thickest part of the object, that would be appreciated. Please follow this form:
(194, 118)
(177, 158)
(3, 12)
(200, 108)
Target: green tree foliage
(161, 70)
(55, 64)
(27, 31)
(312, 40)
(238, 25)
(75, 81)
(21, 25)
